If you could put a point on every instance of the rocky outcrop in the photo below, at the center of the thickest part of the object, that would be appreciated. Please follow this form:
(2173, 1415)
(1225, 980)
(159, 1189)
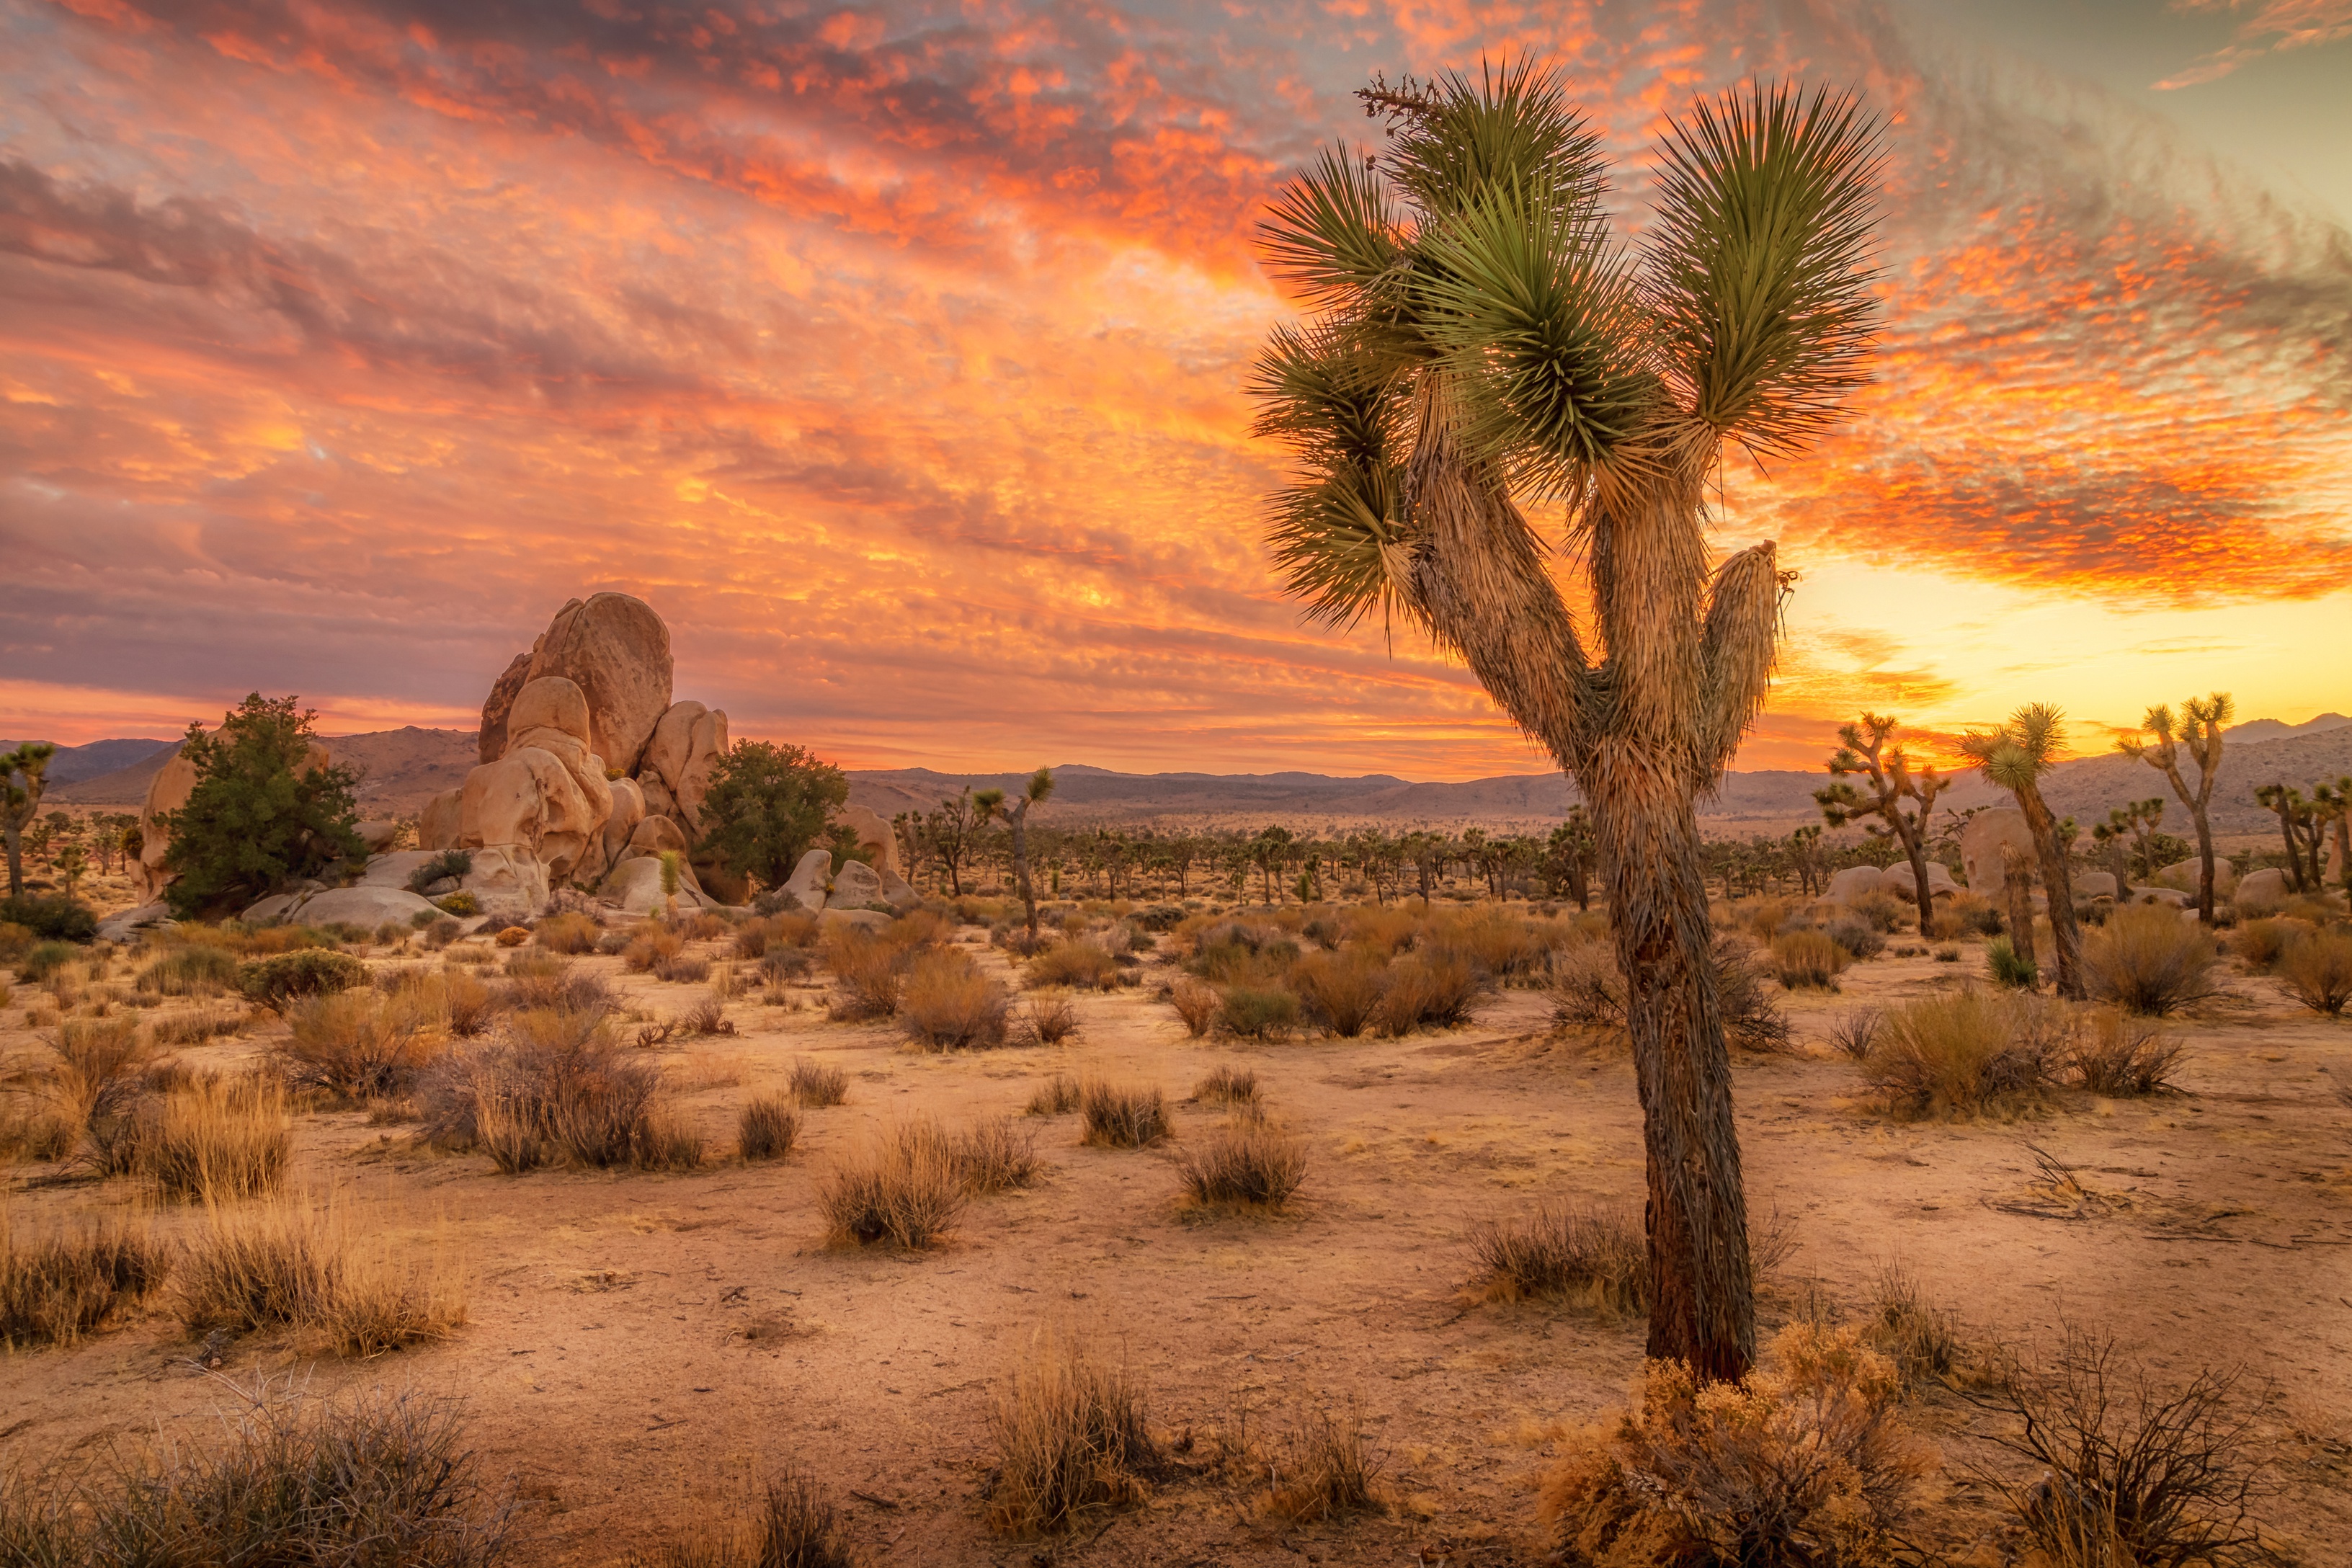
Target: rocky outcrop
(1856, 883)
(1980, 847)
(1896, 880)
(2094, 884)
(2258, 892)
(812, 879)
(876, 835)
(493, 743)
(2183, 874)
(685, 746)
(617, 651)
(444, 815)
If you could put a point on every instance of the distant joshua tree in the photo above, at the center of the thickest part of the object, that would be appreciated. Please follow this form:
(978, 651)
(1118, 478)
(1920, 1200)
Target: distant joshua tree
(1569, 856)
(2014, 756)
(24, 774)
(2199, 733)
(2303, 826)
(2334, 802)
(1901, 798)
(2135, 823)
(989, 804)
(1484, 336)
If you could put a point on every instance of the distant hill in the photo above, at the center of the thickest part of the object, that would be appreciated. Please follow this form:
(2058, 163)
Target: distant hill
(72, 764)
(2256, 731)
(404, 768)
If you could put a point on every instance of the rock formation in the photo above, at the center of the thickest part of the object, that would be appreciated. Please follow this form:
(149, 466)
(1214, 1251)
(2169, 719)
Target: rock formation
(1980, 845)
(617, 651)
(1897, 880)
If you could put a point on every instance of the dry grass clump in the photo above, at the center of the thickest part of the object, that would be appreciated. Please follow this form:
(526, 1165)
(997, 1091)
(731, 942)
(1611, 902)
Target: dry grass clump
(767, 1126)
(949, 1004)
(1965, 1052)
(816, 1086)
(1340, 989)
(296, 1264)
(568, 933)
(1227, 1085)
(2112, 1053)
(2148, 960)
(797, 1526)
(1071, 1440)
(686, 969)
(652, 945)
(99, 1086)
(868, 970)
(1426, 993)
(1257, 1012)
(997, 1154)
(361, 1045)
(1046, 1021)
(1253, 1166)
(1918, 1337)
(1122, 1116)
(1851, 1035)
(1588, 993)
(57, 1287)
(2317, 972)
(1077, 964)
(554, 1086)
(906, 1189)
(207, 1021)
(1583, 1252)
(216, 1140)
(2259, 945)
(1807, 960)
(368, 1482)
(1196, 1004)
(1328, 1468)
(189, 971)
(1057, 1096)
(1806, 1463)
(2128, 1472)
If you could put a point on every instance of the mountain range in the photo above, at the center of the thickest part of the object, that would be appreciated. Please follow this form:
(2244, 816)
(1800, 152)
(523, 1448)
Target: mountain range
(403, 768)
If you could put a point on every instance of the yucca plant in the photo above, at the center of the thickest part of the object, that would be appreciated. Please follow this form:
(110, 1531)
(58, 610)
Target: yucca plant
(2013, 756)
(1481, 339)
(2202, 723)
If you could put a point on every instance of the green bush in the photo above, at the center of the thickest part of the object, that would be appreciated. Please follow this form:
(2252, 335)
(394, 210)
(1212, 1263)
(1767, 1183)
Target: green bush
(1258, 1012)
(461, 903)
(2009, 967)
(310, 972)
(259, 815)
(45, 959)
(189, 971)
(448, 863)
(52, 917)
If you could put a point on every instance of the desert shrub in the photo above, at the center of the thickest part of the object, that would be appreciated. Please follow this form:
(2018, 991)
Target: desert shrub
(568, 933)
(1226, 1085)
(949, 1004)
(308, 972)
(1806, 1463)
(1752, 1018)
(1807, 960)
(1426, 993)
(552, 1085)
(15, 940)
(216, 1140)
(1046, 1021)
(364, 1482)
(447, 863)
(1918, 1337)
(441, 930)
(1851, 1035)
(1340, 989)
(2129, 1471)
(797, 1526)
(1250, 1166)
(1857, 939)
(45, 959)
(1079, 964)
(1057, 1096)
(2317, 972)
(1257, 1013)
(996, 1154)
(1071, 1440)
(207, 1021)
(904, 1189)
(99, 1086)
(867, 970)
(57, 1287)
(189, 971)
(2259, 945)
(780, 966)
(50, 917)
(298, 1264)
(358, 1045)
(1587, 991)
(1497, 946)
(2114, 1052)
(1328, 1468)
(1965, 1051)
(1880, 912)
(767, 1126)
(1122, 1116)
(815, 1086)
(467, 1004)
(2009, 967)
(651, 946)
(1597, 1256)
(685, 969)
(1196, 1004)
(2147, 960)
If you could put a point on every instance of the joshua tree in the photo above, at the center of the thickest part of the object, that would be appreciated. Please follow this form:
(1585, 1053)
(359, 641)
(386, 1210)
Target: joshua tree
(1898, 797)
(2202, 721)
(2303, 826)
(1483, 337)
(2335, 803)
(950, 834)
(1568, 856)
(2014, 756)
(990, 805)
(2134, 822)
(23, 774)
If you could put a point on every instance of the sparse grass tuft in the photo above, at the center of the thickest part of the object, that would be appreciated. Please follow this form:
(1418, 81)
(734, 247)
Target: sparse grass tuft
(1851, 1035)
(816, 1086)
(1122, 1116)
(568, 933)
(293, 1263)
(1426, 993)
(1341, 990)
(216, 1140)
(2147, 960)
(1250, 1166)
(767, 1126)
(2112, 1053)
(1918, 1337)
(904, 1190)
(1077, 964)
(1807, 960)
(1596, 1255)
(997, 1154)
(797, 1527)
(362, 1044)
(2259, 945)
(868, 970)
(1196, 1004)
(1965, 1051)
(1329, 1468)
(189, 971)
(2317, 972)
(1227, 1085)
(1071, 1440)
(56, 1288)
(554, 1086)
(949, 1004)
(1057, 1096)
(1046, 1021)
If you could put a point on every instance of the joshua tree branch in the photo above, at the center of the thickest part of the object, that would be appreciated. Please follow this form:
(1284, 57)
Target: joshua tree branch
(1736, 649)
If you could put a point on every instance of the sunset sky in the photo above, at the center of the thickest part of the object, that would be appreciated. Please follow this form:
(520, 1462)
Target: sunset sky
(893, 354)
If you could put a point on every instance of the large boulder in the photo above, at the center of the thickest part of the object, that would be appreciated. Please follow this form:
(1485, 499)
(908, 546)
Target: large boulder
(854, 884)
(491, 744)
(528, 797)
(617, 651)
(361, 906)
(441, 821)
(2094, 884)
(548, 702)
(874, 833)
(653, 836)
(811, 879)
(1896, 880)
(635, 886)
(897, 893)
(2184, 875)
(124, 926)
(1856, 883)
(379, 836)
(1980, 845)
(2258, 891)
(628, 810)
(685, 746)
(508, 881)
(394, 870)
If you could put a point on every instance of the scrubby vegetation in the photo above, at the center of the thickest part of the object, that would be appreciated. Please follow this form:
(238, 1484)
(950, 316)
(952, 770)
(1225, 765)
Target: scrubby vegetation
(1071, 1439)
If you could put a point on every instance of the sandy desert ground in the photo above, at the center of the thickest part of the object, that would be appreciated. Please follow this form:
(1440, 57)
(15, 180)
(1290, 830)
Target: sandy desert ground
(641, 1348)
